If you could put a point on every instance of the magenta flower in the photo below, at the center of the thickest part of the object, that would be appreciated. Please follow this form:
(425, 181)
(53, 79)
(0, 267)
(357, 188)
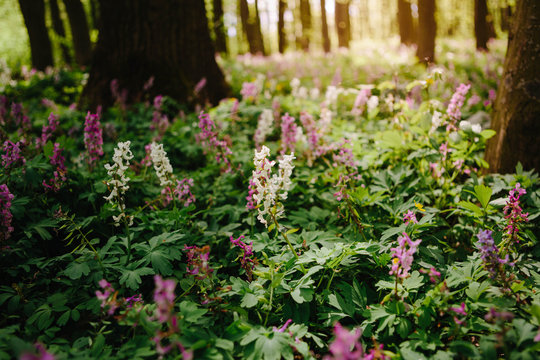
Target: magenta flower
(494, 316)
(47, 130)
(198, 261)
(247, 261)
(459, 310)
(410, 217)
(12, 154)
(5, 206)
(346, 345)
(183, 191)
(489, 253)
(107, 297)
(208, 138)
(164, 298)
(289, 133)
(284, 327)
(41, 355)
(249, 91)
(60, 173)
(433, 274)
(454, 107)
(514, 213)
(403, 256)
(93, 138)
(252, 190)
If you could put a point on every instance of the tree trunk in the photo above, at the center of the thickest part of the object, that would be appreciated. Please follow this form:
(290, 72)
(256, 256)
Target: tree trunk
(481, 30)
(343, 22)
(58, 27)
(405, 21)
(94, 14)
(427, 29)
(517, 108)
(252, 27)
(506, 16)
(324, 25)
(79, 31)
(165, 39)
(33, 12)
(219, 27)
(282, 37)
(305, 19)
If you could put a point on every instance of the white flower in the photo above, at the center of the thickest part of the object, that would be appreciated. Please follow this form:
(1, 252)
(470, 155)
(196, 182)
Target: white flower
(372, 103)
(465, 125)
(161, 163)
(454, 137)
(436, 121)
(118, 183)
(331, 95)
(476, 128)
(314, 93)
(264, 126)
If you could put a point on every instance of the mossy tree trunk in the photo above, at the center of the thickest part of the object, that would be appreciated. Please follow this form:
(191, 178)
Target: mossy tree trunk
(219, 27)
(79, 31)
(164, 39)
(405, 21)
(251, 24)
(33, 12)
(58, 27)
(516, 117)
(282, 37)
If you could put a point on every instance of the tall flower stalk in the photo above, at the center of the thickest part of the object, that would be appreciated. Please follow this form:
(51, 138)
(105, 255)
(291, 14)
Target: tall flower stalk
(93, 139)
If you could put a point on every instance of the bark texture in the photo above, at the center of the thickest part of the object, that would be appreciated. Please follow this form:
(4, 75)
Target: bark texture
(305, 19)
(516, 117)
(33, 12)
(282, 37)
(219, 27)
(79, 31)
(251, 24)
(58, 27)
(427, 28)
(165, 39)
(481, 27)
(324, 28)
(405, 21)
(343, 22)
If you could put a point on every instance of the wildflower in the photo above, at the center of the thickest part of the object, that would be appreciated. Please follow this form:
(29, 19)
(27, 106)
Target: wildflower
(432, 273)
(107, 297)
(403, 256)
(7, 216)
(42, 354)
(147, 160)
(346, 345)
(59, 173)
(118, 184)
(208, 138)
(183, 191)
(264, 127)
(289, 133)
(489, 253)
(372, 103)
(436, 121)
(360, 101)
(164, 298)
(47, 131)
(459, 311)
(198, 261)
(93, 138)
(132, 300)
(249, 91)
(454, 107)
(444, 150)
(419, 206)
(267, 188)
(12, 154)
(161, 164)
(284, 327)
(251, 191)
(410, 217)
(247, 260)
(513, 212)
(493, 316)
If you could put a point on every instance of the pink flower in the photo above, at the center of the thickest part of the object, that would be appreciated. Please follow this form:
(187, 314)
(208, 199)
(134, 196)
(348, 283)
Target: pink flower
(289, 132)
(247, 260)
(183, 191)
(454, 107)
(410, 217)
(514, 213)
(5, 206)
(346, 345)
(284, 327)
(60, 173)
(164, 298)
(93, 138)
(403, 255)
(47, 131)
(42, 354)
(12, 153)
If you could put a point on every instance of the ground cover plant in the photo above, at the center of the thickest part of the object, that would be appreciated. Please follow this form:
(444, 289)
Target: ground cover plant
(335, 207)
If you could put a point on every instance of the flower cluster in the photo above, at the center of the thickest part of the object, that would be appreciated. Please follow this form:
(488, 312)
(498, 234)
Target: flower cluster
(93, 138)
(247, 261)
(409, 217)
(197, 259)
(489, 253)
(403, 256)
(347, 346)
(161, 163)
(459, 311)
(343, 156)
(360, 102)
(41, 355)
(208, 138)
(5, 210)
(108, 297)
(493, 316)
(164, 298)
(513, 213)
(12, 154)
(250, 91)
(433, 274)
(267, 186)
(456, 102)
(160, 121)
(289, 133)
(264, 127)
(47, 130)
(59, 173)
(183, 191)
(118, 183)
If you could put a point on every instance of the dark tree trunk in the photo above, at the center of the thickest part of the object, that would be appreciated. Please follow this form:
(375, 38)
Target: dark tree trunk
(79, 31)
(506, 16)
(219, 27)
(516, 117)
(58, 27)
(343, 22)
(252, 28)
(305, 19)
(324, 26)
(481, 30)
(33, 12)
(405, 21)
(427, 29)
(282, 37)
(165, 39)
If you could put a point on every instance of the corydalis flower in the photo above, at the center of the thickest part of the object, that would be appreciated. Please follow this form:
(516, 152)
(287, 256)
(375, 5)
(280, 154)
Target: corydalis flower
(454, 107)
(41, 355)
(5, 210)
(289, 133)
(198, 264)
(47, 131)
(93, 138)
(409, 217)
(264, 127)
(513, 212)
(12, 154)
(459, 311)
(433, 274)
(59, 173)
(107, 297)
(164, 298)
(270, 189)
(208, 138)
(403, 256)
(183, 191)
(346, 345)
(118, 183)
(247, 260)
(161, 163)
(489, 253)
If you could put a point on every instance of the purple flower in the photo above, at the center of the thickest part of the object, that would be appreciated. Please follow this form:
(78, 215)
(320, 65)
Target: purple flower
(93, 138)
(494, 316)
(60, 173)
(346, 345)
(489, 253)
(433, 274)
(164, 298)
(289, 133)
(47, 130)
(12, 153)
(284, 327)
(107, 297)
(459, 310)
(208, 138)
(410, 217)
(252, 190)
(249, 91)
(41, 355)
(183, 191)
(403, 255)
(247, 261)
(198, 261)
(5, 206)
(454, 107)
(514, 213)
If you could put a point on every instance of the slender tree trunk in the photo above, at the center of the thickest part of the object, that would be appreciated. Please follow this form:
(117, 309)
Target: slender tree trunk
(79, 31)
(481, 30)
(165, 39)
(58, 27)
(282, 37)
(258, 32)
(427, 29)
(219, 27)
(252, 28)
(305, 19)
(343, 22)
(33, 12)
(324, 26)
(516, 117)
(405, 21)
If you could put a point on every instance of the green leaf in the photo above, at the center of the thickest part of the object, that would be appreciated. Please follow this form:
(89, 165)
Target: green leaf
(75, 270)
(63, 319)
(414, 281)
(403, 327)
(483, 194)
(301, 295)
(488, 133)
(161, 263)
(191, 311)
(467, 205)
(132, 278)
(48, 149)
(290, 231)
(249, 300)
